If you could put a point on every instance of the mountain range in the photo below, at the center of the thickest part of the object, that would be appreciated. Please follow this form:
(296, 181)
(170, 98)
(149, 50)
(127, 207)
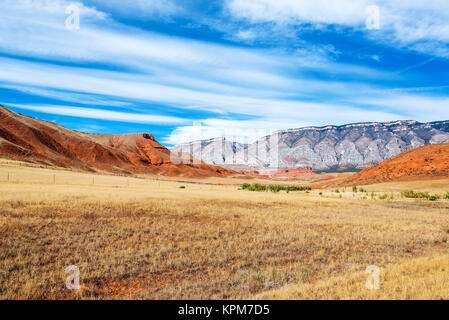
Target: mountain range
(346, 147)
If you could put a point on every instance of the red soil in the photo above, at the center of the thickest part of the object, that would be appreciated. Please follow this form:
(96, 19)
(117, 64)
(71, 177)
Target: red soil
(295, 173)
(27, 139)
(283, 173)
(424, 163)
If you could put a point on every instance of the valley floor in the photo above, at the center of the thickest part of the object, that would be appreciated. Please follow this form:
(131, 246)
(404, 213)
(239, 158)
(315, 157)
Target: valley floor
(150, 239)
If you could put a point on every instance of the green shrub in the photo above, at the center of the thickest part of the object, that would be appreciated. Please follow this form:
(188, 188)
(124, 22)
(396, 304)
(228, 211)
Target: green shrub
(415, 195)
(182, 187)
(423, 195)
(354, 189)
(383, 197)
(257, 187)
(274, 188)
(300, 188)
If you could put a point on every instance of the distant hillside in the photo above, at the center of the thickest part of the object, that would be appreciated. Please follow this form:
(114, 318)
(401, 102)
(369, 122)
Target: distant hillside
(27, 139)
(352, 146)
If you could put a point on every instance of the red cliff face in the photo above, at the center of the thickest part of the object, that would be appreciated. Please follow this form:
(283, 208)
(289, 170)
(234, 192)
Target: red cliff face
(31, 140)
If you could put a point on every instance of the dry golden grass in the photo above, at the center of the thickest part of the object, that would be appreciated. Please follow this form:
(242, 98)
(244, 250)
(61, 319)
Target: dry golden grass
(420, 278)
(149, 239)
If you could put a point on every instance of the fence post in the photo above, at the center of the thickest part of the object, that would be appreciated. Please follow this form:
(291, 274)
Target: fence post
(8, 176)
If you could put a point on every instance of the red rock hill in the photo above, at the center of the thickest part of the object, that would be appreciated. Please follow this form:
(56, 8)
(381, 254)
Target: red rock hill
(31, 140)
(424, 163)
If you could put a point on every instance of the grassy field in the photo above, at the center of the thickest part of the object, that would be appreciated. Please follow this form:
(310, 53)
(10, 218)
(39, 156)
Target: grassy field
(151, 239)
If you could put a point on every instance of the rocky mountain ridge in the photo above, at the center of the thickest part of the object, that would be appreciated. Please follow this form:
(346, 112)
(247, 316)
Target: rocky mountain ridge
(352, 146)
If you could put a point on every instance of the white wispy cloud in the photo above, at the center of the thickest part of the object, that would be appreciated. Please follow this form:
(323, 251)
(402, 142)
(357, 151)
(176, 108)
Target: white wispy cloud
(141, 87)
(139, 8)
(413, 106)
(101, 114)
(42, 34)
(417, 25)
(69, 96)
(348, 12)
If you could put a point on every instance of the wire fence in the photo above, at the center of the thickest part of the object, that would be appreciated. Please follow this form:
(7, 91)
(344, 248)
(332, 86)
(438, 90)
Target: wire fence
(70, 178)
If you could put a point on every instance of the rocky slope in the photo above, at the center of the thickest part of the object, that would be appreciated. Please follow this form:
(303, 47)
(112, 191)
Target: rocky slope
(353, 146)
(428, 162)
(27, 139)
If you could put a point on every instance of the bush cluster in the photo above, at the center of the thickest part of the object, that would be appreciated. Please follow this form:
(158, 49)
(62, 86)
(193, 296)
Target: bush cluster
(355, 189)
(424, 195)
(274, 188)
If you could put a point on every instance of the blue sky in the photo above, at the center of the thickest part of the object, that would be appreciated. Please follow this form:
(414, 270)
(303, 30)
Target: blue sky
(188, 70)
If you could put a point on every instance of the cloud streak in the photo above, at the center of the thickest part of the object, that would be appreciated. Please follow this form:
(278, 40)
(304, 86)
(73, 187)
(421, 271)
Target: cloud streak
(419, 25)
(102, 114)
